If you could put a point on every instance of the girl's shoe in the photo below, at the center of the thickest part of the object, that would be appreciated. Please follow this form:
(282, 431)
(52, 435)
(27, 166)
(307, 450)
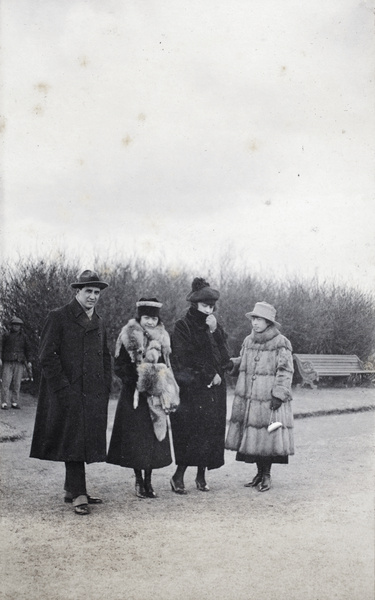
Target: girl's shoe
(149, 490)
(15, 405)
(140, 491)
(265, 484)
(254, 482)
(4, 406)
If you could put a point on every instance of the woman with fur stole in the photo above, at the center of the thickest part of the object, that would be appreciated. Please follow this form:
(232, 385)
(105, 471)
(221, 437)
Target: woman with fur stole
(199, 359)
(149, 392)
(261, 425)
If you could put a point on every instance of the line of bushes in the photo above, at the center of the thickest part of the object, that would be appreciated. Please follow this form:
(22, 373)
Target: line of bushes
(318, 317)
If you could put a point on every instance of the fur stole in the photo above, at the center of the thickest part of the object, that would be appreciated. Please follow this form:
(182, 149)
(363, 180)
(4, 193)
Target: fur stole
(136, 339)
(157, 381)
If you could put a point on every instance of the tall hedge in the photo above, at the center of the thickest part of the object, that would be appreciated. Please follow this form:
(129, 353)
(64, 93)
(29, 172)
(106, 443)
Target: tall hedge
(318, 317)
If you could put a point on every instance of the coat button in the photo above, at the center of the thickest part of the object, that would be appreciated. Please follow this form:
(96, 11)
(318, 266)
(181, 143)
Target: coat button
(256, 358)
(254, 377)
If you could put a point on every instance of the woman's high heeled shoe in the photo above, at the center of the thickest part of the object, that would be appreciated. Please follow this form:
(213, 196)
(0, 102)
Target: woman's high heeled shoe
(202, 486)
(177, 488)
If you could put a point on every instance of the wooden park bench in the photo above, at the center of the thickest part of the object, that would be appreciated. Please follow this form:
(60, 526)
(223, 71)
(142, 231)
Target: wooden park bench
(312, 367)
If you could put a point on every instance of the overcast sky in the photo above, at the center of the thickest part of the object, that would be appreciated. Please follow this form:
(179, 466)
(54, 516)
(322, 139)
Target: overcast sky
(182, 129)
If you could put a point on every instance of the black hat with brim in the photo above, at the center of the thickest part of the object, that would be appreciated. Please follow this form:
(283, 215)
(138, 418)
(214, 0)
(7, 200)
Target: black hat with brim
(89, 279)
(202, 292)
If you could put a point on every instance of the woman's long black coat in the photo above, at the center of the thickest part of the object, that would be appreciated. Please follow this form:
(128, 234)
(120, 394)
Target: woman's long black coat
(133, 442)
(198, 425)
(71, 417)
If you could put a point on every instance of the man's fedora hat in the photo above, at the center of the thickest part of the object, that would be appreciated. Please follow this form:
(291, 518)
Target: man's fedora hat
(264, 310)
(89, 278)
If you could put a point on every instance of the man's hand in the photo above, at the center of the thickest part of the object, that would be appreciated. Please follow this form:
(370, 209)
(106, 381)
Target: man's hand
(212, 323)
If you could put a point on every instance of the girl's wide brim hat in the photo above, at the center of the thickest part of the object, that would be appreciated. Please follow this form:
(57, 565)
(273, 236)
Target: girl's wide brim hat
(265, 311)
(89, 279)
(201, 291)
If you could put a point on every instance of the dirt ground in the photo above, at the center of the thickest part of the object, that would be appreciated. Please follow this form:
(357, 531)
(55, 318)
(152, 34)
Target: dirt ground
(310, 537)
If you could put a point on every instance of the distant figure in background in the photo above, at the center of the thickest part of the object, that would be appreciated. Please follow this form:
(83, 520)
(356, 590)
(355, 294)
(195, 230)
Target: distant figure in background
(199, 358)
(261, 425)
(15, 356)
(149, 392)
(71, 418)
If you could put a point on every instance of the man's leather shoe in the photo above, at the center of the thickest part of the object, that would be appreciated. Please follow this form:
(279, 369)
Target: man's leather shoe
(90, 500)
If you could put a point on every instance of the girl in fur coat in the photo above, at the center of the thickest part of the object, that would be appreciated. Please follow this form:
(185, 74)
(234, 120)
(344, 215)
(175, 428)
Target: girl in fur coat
(149, 392)
(261, 425)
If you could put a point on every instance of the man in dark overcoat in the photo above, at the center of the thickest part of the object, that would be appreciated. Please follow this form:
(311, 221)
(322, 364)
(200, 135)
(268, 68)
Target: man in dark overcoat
(71, 418)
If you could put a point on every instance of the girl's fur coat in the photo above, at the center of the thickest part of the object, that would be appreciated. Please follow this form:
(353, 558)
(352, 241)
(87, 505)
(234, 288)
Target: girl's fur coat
(265, 370)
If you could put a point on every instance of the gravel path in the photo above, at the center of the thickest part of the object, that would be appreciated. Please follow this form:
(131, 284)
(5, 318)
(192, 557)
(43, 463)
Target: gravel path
(310, 537)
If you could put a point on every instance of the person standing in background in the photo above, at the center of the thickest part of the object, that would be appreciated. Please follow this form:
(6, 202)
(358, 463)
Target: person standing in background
(15, 356)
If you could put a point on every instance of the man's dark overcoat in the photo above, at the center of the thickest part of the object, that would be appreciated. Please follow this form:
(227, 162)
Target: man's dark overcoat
(198, 424)
(71, 418)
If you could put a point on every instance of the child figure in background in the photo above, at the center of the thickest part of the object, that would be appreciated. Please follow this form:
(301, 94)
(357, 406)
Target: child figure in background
(262, 396)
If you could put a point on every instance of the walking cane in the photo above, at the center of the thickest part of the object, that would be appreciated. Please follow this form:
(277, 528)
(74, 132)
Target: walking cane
(171, 439)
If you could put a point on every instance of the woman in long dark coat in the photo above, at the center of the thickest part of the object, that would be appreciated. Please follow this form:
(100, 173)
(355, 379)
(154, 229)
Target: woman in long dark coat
(199, 358)
(135, 440)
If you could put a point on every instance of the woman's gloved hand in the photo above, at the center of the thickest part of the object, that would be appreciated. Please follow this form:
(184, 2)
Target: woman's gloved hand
(275, 403)
(216, 380)
(212, 323)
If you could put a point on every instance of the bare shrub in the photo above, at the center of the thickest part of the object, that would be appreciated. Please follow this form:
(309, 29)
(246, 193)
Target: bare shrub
(317, 317)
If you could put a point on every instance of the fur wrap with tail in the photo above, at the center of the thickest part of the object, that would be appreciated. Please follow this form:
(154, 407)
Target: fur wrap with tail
(136, 339)
(145, 347)
(157, 381)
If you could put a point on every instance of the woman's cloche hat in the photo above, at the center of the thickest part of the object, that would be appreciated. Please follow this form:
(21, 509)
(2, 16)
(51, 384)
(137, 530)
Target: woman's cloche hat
(89, 278)
(202, 292)
(264, 310)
